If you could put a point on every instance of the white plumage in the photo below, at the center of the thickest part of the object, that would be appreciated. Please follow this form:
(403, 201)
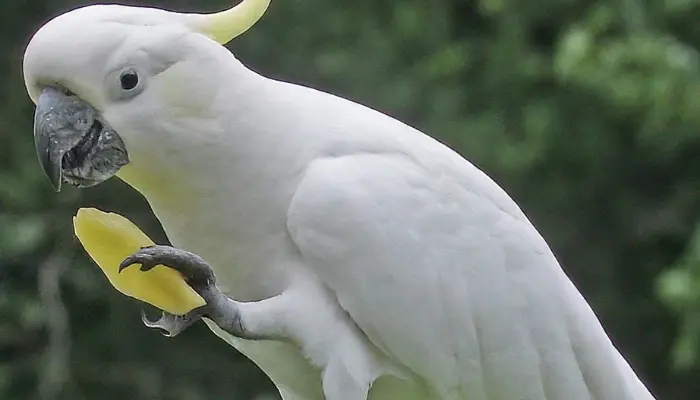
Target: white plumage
(387, 258)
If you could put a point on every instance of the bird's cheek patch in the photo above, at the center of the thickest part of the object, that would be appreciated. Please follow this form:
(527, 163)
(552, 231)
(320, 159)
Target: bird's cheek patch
(109, 238)
(182, 95)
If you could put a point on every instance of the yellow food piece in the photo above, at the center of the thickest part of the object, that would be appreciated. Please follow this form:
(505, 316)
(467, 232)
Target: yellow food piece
(109, 238)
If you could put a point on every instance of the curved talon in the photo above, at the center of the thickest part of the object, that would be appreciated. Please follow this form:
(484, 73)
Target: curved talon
(146, 259)
(127, 262)
(170, 325)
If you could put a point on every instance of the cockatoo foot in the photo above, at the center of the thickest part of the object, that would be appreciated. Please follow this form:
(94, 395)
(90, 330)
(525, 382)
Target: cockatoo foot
(349, 365)
(200, 276)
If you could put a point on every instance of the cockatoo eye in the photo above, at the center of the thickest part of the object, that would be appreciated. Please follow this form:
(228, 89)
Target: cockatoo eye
(129, 79)
(125, 83)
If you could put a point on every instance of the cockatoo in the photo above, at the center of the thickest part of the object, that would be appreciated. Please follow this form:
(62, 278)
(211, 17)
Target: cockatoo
(347, 254)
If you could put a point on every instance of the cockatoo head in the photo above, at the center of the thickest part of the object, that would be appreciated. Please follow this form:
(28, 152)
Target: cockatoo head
(106, 78)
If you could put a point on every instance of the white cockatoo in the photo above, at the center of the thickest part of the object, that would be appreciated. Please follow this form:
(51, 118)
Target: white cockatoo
(347, 254)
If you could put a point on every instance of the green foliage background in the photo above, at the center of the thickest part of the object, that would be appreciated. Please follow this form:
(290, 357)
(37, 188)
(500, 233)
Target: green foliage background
(585, 111)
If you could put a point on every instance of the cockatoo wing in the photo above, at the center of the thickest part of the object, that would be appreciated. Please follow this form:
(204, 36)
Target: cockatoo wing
(444, 273)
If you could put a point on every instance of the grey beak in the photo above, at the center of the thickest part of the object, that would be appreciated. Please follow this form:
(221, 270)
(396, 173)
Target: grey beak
(60, 122)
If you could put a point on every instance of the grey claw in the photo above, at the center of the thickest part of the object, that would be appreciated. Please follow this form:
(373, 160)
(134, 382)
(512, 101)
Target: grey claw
(193, 268)
(141, 257)
(169, 324)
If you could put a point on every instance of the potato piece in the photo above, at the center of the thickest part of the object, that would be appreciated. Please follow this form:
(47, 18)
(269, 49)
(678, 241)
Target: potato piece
(109, 238)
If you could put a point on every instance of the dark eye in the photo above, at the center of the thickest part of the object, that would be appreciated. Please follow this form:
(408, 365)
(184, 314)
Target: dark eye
(129, 80)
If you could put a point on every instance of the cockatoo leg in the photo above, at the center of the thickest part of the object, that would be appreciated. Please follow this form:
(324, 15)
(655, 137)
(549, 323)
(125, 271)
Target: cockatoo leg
(222, 310)
(349, 366)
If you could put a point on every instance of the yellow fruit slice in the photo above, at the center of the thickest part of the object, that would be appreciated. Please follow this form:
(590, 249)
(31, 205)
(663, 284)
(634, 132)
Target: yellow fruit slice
(109, 238)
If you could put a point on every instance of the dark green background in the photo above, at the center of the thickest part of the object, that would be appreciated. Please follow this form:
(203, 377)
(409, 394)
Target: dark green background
(585, 111)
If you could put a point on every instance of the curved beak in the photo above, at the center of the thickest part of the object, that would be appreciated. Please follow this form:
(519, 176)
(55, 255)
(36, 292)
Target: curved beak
(60, 123)
(73, 142)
